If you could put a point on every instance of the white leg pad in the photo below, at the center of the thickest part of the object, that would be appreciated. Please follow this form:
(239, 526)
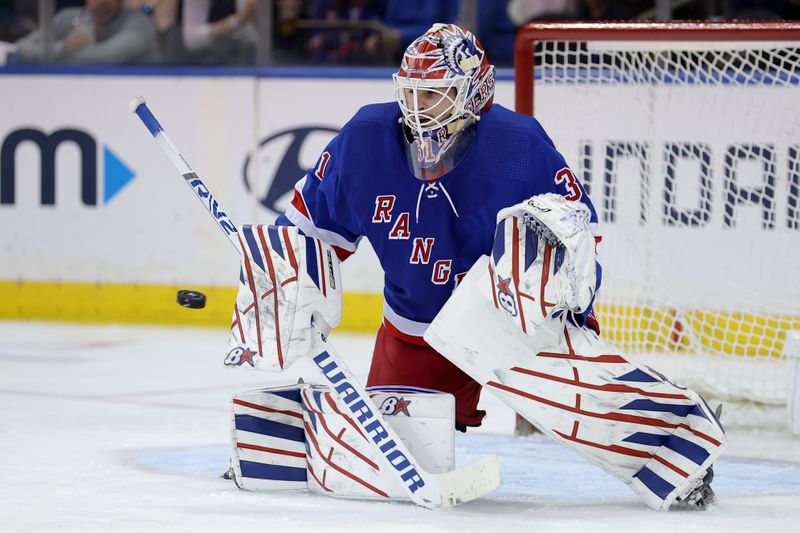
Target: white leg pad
(655, 436)
(343, 462)
(268, 439)
(298, 438)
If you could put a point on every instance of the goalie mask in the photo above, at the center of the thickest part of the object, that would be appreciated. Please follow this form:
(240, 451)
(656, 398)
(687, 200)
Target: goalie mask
(444, 83)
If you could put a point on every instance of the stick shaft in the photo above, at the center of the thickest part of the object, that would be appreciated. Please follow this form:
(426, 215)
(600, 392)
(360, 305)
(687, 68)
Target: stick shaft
(139, 106)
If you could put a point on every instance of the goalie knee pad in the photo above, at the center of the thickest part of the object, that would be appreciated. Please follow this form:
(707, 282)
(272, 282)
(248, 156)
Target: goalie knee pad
(298, 437)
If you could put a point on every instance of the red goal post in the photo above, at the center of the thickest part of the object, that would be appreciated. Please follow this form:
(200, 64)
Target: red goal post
(687, 138)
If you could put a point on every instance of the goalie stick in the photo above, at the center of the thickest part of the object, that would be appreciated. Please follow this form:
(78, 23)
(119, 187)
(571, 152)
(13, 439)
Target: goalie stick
(424, 488)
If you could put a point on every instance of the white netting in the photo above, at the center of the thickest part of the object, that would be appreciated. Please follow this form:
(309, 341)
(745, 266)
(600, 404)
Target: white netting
(690, 152)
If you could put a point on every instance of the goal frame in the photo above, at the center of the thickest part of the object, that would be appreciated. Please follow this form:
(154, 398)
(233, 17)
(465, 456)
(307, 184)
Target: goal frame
(668, 31)
(530, 34)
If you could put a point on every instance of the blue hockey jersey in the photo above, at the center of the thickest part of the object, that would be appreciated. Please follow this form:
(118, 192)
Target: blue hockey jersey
(426, 234)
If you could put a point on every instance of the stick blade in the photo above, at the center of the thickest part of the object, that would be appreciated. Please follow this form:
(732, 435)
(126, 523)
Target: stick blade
(470, 482)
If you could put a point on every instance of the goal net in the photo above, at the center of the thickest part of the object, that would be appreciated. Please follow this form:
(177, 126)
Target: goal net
(687, 138)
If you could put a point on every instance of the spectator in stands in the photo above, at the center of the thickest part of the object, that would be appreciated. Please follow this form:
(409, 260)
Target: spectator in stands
(604, 10)
(104, 32)
(290, 43)
(497, 31)
(790, 10)
(406, 20)
(346, 46)
(13, 23)
(220, 31)
(763, 9)
(164, 14)
(523, 11)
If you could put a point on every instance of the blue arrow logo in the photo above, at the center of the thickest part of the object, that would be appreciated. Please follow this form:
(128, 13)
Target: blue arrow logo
(117, 174)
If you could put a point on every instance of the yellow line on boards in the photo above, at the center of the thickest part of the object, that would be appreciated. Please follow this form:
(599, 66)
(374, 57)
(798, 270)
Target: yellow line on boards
(150, 304)
(634, 329)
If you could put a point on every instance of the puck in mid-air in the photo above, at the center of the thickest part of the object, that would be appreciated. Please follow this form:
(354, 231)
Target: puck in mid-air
(192, 299)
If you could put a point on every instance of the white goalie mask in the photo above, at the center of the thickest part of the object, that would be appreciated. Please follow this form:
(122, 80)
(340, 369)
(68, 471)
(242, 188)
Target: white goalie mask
(443, 85)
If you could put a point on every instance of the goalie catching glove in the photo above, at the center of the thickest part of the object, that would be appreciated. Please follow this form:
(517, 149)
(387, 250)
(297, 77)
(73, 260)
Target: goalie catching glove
(543, 260)
(289, 286)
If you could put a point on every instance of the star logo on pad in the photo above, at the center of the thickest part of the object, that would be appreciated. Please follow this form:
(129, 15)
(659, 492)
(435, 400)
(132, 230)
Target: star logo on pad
(247, 356)
(402, 406)
(503, 285)
(394, 405)
(239, 355)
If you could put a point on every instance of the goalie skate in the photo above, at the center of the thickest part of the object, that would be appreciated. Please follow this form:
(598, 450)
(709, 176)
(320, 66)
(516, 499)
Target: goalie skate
(699, 498)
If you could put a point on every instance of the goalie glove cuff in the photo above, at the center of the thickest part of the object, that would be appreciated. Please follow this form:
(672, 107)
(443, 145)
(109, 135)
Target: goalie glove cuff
(552, 216)
(543, 259)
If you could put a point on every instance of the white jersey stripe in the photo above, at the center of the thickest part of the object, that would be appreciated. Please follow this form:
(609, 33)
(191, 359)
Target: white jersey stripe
(404, 325)
(310, 230)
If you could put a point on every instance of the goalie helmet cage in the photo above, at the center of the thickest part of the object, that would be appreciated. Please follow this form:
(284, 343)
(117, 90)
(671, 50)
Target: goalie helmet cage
(686, 135)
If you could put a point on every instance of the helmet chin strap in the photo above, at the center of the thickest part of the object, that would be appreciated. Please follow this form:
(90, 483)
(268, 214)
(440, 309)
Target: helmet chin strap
(407, 133)
(461, 123)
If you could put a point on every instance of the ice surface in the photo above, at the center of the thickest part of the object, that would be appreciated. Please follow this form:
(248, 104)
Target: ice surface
(111, 428)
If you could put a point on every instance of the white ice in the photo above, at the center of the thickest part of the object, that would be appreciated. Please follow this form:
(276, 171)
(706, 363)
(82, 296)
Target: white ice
(111, 428)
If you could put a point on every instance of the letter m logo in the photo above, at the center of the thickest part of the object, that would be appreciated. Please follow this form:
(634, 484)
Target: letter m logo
(116, 174)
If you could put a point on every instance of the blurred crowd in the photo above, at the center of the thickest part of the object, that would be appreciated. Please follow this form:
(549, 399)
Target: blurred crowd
(302, 32)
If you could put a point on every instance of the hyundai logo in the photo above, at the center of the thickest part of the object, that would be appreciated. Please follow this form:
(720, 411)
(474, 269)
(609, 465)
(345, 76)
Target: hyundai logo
(282, 159)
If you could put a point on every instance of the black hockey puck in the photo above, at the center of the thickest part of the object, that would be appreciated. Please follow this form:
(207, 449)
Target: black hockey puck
(192, 299)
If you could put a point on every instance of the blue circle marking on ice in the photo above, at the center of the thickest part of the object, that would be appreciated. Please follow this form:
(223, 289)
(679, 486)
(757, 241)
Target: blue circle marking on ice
(201, 461)
(533, 468)
(537, 468)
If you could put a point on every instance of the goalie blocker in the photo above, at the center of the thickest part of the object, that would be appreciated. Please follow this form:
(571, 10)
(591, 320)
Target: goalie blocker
(512, 325)
(288, 281)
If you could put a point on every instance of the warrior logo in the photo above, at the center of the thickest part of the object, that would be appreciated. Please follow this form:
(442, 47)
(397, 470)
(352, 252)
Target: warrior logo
(372, 425)
(505, 297)
(239, 355)
(394, 405)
